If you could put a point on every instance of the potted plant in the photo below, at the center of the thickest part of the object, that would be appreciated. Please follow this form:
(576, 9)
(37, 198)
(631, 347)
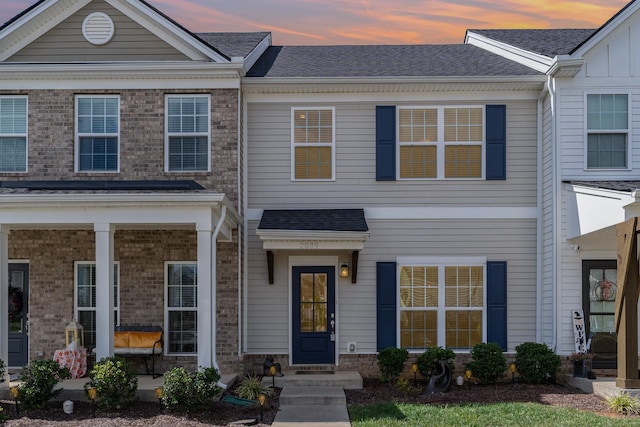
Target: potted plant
(581, 364)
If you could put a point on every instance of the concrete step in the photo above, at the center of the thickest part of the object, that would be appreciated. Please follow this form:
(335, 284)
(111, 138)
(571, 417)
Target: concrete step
(312, 416)
(348, 380)
(312, 395)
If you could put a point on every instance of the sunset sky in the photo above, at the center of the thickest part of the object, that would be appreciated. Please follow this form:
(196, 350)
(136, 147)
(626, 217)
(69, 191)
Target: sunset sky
(330, 22)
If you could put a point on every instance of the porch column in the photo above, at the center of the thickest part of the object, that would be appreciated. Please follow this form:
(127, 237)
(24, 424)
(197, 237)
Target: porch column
(4, 291)
(206, 309)
(104, 290)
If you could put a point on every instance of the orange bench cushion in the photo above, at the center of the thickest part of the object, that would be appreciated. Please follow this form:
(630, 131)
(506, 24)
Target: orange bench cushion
(143, 339)
(121, 339)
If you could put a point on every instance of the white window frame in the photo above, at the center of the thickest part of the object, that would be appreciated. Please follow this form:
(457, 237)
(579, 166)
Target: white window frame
(77, 309)
(168, 309)
(79, 135)
(168, 135)
(441, 263)
(322, 144)
(440, 143)
(24, 135)
(626, 131)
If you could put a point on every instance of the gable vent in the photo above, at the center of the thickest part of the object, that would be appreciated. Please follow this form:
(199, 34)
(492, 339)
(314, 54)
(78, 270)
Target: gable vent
(98, 28)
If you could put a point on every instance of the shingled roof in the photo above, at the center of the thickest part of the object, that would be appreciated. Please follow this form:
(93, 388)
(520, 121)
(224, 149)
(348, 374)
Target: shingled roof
(384, 61)
(550, 43)
(234, 44)
(314, 220)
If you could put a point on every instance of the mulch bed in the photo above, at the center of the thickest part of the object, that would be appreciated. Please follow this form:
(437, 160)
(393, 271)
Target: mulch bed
(225, 414)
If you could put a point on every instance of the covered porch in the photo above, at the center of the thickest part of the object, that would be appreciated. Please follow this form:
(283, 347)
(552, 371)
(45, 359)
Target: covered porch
(137, 227)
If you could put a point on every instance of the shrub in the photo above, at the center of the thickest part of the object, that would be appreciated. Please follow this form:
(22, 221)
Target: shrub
(428, 361)
(391, 362)
(251, 386)
(407, 387)
(190, 391)
(38, 382)
(489, 364)
(115, 382)
(536, 362)
(624, 403)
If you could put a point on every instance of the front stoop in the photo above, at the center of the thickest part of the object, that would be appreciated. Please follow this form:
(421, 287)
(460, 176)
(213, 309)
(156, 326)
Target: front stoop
(347, 380)
(312, 405)
(603, 387)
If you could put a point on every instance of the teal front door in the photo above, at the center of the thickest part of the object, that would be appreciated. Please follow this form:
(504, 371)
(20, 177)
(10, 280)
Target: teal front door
(313, 315)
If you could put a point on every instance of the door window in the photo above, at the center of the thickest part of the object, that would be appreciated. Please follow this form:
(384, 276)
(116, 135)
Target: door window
(600, 292)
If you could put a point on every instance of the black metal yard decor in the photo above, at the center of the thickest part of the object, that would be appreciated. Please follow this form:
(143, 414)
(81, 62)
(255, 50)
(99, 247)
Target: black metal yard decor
(440, 379)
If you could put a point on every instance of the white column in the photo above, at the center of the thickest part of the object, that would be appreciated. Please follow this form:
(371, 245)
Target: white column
(4, 293)
(205, 297)
(104, 290)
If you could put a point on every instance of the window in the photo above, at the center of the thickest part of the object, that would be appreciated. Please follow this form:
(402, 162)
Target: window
(313, 144)
(97, 129)
(441, 303)
(607, 131)
(13, 134)
(85, 300)
(438, 142)
(181, 305)
(188, 133)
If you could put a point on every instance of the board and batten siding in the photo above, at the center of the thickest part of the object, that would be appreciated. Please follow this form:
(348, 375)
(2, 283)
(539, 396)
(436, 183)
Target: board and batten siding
(513, 241)
(269, 161)
(65, 42)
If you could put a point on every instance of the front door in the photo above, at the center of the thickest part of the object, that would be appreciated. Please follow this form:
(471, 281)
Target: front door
(313, 315)
(599, 299)
(18, 315)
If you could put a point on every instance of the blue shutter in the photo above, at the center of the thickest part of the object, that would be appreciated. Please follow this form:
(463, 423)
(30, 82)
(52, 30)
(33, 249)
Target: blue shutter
(496, 140)
(386, 304)
(497, 303)
(386, 143)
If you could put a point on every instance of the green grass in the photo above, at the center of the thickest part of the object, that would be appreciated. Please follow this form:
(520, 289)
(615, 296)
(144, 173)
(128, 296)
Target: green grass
(475, 415)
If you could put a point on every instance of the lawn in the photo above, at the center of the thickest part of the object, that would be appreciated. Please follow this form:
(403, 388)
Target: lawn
(472, 415)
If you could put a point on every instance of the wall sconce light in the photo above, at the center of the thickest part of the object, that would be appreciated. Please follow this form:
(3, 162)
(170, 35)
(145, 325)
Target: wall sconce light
(344, 270)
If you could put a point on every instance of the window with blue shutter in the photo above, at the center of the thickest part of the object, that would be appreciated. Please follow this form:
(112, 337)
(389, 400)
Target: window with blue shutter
(497, 303)
(386, 143)
(386, 304)
(496, 142)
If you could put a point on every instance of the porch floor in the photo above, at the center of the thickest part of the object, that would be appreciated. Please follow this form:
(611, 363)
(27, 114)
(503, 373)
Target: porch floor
(74, 389)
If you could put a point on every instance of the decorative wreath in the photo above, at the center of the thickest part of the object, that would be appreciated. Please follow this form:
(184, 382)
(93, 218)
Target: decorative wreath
(15, 303)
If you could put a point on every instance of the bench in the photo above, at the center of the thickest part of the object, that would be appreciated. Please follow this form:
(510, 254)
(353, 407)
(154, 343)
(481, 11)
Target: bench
(145, 341)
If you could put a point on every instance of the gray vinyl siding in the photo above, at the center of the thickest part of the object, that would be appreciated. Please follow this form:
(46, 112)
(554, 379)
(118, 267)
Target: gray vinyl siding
(547, 210)
(270, 184)
(65, 42)
(513, 241)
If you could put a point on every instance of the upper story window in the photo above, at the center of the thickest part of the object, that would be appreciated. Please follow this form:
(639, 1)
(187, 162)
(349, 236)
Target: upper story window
(313, 143)
(13, 134)
(188, 133)
(97, 133)
(440, 142)
(607, 131)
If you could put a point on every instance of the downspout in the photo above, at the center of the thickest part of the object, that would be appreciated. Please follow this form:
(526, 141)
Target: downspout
(242, 211)
(555, 275)
(214, 291)
(539, 210)
(245, 253)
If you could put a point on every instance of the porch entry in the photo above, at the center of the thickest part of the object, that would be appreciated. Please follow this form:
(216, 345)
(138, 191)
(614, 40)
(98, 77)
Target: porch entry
(599, 279)
(18, 301)
(313, 315)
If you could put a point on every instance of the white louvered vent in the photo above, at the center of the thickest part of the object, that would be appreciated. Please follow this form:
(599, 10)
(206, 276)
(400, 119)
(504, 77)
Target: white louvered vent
(98, 28)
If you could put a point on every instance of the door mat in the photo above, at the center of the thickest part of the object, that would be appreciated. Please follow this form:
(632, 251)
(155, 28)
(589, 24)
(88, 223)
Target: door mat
(314, 372)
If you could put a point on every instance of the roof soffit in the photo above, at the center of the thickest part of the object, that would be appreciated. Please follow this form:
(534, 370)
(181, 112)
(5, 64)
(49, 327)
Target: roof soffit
(41, 19)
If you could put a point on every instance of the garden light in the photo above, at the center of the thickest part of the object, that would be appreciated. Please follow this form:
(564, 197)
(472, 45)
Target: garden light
(272, 372)
(262, 398)
(15, 393)
(92, 392)
(159, 395)
(414, 369)
(513, 370)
